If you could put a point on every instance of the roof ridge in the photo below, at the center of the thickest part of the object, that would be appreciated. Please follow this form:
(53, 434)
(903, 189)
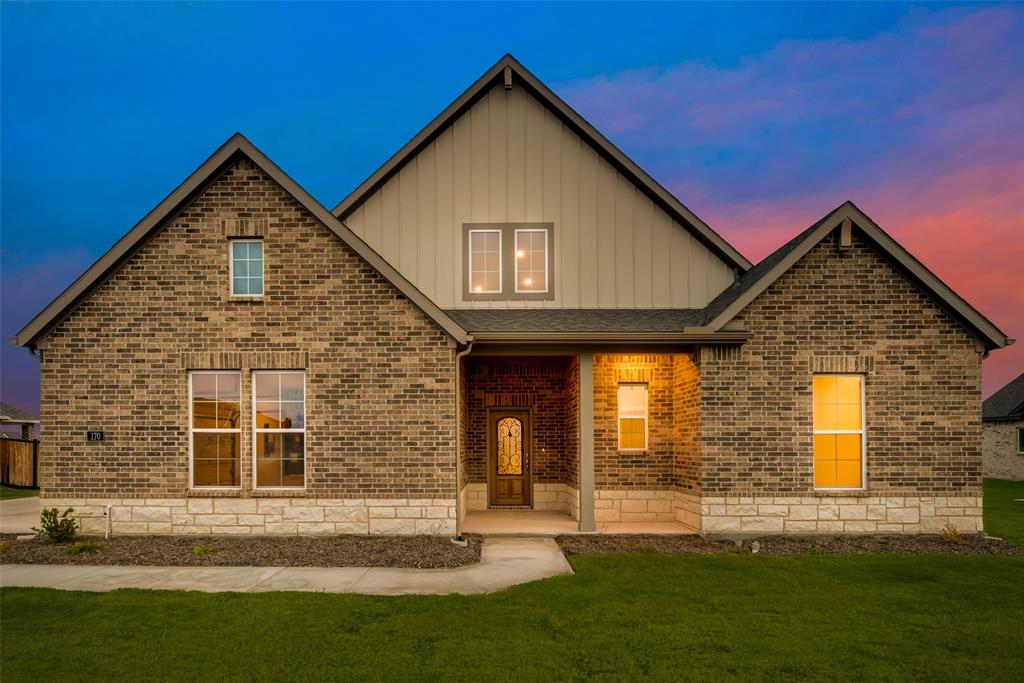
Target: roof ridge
(661, 196)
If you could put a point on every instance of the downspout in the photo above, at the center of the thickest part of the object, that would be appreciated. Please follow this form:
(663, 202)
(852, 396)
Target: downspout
(458, 436)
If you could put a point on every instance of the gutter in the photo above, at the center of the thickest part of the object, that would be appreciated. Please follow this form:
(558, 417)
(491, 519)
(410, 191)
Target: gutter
(458, 435)
(723, 337)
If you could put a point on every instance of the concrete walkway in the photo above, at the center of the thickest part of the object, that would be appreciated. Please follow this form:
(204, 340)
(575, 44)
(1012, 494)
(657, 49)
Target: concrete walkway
(505, 562)
(18, 516)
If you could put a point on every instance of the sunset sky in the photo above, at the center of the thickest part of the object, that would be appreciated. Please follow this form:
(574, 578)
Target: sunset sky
(761, 118)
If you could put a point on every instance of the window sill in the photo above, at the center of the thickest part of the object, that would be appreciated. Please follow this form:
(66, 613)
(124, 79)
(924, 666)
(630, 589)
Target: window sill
(213, 493)
(841, 493)
(247, 493)
(246, 298)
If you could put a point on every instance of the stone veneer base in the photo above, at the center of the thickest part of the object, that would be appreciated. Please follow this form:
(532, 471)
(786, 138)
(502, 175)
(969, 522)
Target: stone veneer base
(559, 497)
(619, 505)
(862, 514)
(263, 516)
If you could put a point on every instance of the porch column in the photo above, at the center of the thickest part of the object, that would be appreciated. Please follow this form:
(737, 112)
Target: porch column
(586, 402)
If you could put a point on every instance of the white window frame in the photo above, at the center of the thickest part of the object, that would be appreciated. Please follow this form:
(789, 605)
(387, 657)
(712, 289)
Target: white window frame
(211, 430)
(619, 416)
(863, 431)
(256, 431)
(515, 255)
(231, 267)
(501, 259)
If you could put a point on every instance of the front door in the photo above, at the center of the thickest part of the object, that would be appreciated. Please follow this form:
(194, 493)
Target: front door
(509, 457)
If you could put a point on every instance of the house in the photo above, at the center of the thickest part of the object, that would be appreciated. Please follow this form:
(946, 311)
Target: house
(509, 313)
(1002, 418)
(16, 417)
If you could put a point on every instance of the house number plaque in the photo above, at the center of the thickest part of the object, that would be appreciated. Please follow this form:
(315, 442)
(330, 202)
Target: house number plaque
(94, 436)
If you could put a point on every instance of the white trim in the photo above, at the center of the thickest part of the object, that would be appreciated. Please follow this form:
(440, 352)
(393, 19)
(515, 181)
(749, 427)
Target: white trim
(256, 430)
(192, 430)
(501, 274)
(515, 259)
(646, 418)
(863, 432)
(231, 267)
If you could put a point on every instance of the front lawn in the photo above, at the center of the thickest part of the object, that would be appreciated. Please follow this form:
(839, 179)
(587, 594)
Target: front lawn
(1004, 509)
(622, 616)
(8, 493)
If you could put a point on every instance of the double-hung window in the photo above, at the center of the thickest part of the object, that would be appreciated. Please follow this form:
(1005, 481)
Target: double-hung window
(215, 428)
(508, 262)
(246, 267)
(279, 428)
(531, 261)
(485, 261)
(838, 431)
(632, 417)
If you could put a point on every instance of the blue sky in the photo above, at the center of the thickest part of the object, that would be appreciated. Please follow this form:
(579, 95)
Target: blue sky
(759, 117)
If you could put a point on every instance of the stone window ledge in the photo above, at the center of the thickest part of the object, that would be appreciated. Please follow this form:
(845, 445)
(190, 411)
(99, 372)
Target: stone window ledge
(863, 493)
(246, 493)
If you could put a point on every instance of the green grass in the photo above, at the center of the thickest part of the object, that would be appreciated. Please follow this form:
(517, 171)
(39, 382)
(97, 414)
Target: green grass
(621, 617)
(8, 493)
(1004, 509)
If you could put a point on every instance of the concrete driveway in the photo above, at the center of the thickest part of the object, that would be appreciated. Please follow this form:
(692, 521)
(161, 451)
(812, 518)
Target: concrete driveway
(20, 515)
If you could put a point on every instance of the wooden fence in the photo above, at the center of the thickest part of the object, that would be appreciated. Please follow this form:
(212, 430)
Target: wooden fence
(19, 463)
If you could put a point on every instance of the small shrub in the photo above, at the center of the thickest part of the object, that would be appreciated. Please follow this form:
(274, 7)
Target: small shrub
(5, 547)
(86, 548)
(204, 550)
(817, 549)
(57, 526)
(951, 534)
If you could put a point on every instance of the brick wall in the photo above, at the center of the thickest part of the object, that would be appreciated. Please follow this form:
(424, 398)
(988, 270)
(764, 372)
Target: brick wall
(379, 373)
(849, 311)
(1002, 461)
(686, 397)
(536, 383)
(652, 469)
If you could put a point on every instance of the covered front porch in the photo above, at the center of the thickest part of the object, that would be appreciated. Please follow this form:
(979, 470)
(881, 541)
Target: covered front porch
(548, 445)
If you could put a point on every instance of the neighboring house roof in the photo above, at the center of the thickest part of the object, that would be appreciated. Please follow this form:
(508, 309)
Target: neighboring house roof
(509, 68)
(11, 415)
(741, 293)
(1007, 403)
(128, 245)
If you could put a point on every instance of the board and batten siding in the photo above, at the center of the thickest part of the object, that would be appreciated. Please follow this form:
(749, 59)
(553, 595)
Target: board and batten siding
(509, 159)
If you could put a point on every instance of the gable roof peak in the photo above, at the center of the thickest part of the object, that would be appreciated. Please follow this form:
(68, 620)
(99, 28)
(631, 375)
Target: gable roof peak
(152, 222)
(571, 118)
(751, 284)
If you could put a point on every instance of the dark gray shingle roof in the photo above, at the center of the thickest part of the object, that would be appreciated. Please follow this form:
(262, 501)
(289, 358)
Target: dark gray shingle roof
(576, 320)
(1007, 403)
(752, 276)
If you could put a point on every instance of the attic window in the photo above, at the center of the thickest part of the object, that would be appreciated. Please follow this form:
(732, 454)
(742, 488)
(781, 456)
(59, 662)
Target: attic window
(246, 267)
(508, 261)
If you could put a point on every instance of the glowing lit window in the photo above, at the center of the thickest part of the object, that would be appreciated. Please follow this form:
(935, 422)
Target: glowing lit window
(838, 431)
(485, 261)
(215, 429)
(531, 260)
(632, 417)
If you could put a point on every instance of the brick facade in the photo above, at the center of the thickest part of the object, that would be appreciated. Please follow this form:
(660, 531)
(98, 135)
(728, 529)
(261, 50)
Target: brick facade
(1002, 459)
(379, 372)
(539, 384)
(846, 311)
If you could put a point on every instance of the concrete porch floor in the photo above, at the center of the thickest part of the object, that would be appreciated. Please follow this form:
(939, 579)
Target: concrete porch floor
(553, 523)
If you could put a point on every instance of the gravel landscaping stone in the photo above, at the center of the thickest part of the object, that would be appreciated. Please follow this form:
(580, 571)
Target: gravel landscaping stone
(786, 545)
(425, 552)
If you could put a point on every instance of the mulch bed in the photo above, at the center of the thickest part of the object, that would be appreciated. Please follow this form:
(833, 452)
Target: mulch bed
(423, 552)
(670, 544)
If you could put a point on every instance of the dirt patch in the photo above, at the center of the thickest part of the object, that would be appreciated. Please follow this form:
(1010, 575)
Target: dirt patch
(665, 544)
(670, 544)
(424, 552)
